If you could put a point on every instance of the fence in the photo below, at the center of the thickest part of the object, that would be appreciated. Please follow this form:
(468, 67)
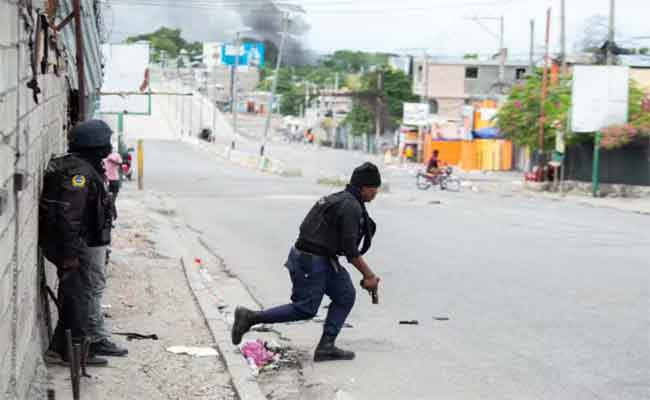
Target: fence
(629, 165)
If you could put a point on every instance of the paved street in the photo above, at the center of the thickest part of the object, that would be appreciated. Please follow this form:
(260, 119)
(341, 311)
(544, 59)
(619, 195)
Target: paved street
(545, 299)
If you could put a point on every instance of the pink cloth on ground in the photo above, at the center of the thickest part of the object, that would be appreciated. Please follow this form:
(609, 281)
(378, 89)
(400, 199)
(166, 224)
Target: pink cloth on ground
(112, 165)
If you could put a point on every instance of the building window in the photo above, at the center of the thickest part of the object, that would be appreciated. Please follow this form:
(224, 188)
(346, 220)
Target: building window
(471, 73)
(433, 106)
(520, 73)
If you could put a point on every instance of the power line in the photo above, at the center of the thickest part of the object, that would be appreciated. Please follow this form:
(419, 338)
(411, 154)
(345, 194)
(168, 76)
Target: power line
(322, 7)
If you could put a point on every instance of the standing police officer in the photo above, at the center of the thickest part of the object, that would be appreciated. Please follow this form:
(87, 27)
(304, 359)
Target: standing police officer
(75, 226)
(336, 226)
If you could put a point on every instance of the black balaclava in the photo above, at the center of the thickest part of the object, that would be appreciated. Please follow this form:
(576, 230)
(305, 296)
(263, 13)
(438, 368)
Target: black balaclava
(95, 156)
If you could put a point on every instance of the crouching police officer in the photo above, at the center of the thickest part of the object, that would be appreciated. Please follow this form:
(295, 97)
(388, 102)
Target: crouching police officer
(74, 227)
(336, 226)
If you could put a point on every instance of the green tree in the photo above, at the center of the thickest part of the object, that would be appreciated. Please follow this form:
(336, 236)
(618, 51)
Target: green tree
(518, 119)
(168, 40)
(360, 119)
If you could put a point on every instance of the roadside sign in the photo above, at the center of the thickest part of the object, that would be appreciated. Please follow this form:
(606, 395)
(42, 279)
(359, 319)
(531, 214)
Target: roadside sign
(600, 97)
(416, 114)
(250, 54)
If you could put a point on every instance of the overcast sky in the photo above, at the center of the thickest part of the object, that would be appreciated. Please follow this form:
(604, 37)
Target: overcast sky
(389, 25)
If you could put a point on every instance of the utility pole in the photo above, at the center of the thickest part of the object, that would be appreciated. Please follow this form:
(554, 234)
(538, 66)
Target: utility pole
(532, 48)
(502, 51)
(233, 84)
(563, 37)
(542, 113)
(426, 77)
(267, 125)
(612, 29)
(379, 120)
(307, 86)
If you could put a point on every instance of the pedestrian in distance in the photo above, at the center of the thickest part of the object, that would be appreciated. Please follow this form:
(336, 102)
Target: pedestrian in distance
(75, 221)
(337, 225)
(112, 166)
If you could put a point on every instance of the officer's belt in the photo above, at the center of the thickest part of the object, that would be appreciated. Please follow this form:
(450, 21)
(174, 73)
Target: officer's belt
(334, 261)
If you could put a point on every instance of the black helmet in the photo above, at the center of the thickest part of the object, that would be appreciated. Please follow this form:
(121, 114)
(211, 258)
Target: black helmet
(90, 134)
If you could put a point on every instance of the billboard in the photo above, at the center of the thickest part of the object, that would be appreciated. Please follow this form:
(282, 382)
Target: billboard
(212, 53)
(416, 114)
(600, 97)
(250, 54)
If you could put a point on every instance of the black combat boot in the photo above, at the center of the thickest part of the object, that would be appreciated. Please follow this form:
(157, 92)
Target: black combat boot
(107, 348)
(244, 320)
(326, 351)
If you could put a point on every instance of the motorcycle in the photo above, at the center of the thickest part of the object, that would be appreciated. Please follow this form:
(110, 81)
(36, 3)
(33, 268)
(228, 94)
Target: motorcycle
(444, 179)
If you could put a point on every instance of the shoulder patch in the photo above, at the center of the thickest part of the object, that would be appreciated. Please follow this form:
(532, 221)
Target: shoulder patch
(79, 181)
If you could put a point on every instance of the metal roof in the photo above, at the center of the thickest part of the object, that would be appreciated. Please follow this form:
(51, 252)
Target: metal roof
(92, 50)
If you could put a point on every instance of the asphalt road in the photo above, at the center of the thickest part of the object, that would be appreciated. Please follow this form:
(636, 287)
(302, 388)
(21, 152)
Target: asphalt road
(545, 299)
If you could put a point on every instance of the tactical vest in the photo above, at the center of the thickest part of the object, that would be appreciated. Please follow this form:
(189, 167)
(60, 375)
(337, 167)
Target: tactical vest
(320, 227)
(97, 220)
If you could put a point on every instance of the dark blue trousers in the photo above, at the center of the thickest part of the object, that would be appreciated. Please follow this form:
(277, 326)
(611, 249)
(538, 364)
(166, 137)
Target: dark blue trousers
(313, 277)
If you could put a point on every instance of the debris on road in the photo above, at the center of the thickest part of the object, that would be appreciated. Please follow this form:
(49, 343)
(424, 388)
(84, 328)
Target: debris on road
(410, 322)
(435, 202)
(257, 355)
(261, 328)
(136, 336)
(193, 351)
(441, 318)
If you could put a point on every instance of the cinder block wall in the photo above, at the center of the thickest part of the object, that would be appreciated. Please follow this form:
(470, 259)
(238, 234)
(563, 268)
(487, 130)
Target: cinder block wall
(29, 134)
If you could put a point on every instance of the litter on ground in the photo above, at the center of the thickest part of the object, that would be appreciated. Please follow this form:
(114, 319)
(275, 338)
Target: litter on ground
(193, 351)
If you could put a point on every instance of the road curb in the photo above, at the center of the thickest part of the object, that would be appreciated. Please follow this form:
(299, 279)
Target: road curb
(342, 181)
(251, 161)
(200, 283)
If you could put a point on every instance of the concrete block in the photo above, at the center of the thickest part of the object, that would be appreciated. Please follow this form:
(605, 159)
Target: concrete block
(8, 114)
(5, 360)
(8, 25)
(8, 70)
(6, 293)
(27, 364)
(7, 158)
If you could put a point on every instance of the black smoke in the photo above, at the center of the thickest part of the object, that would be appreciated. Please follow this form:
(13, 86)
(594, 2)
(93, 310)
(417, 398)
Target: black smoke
(266, 23)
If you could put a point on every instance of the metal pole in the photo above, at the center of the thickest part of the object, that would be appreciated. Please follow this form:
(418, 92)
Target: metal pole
(140, 164)
(267, 126)
(532, 47)
(595, 173)
(563, 37)
(378, 116)
(612, 30)
(79, 43)
(191, 122)
(542, 113)
(304, 115)
(426, 78)
(233, 105)
(502, 51)
(183, 117)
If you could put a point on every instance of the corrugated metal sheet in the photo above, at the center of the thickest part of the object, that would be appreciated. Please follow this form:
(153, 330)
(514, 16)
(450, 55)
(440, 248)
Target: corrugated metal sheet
(92, 50)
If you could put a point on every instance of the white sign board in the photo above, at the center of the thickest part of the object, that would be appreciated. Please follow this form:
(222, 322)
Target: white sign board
(416, 114)
(600, 97)
(124, 72)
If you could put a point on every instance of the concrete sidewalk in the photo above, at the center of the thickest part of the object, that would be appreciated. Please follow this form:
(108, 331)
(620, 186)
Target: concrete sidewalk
(147, 293)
